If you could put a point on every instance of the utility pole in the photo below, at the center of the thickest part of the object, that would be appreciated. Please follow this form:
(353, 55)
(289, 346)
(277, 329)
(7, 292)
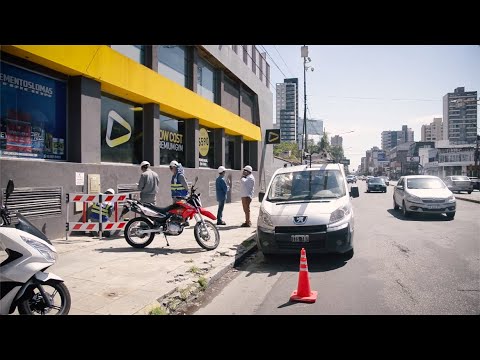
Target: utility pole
(306, 60)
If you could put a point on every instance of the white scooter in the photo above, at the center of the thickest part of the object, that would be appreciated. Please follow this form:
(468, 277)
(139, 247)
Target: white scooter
(24, 284)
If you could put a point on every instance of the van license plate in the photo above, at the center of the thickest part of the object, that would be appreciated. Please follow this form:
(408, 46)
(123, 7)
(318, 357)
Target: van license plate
(300, 238)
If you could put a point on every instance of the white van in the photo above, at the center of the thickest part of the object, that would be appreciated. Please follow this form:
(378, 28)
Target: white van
(307, 207)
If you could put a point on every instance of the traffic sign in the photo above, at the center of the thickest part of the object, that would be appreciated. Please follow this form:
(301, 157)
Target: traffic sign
(272, 136)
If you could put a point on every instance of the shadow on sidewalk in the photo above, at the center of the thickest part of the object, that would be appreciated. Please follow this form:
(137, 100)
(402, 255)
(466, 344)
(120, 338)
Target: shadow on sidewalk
(153, 251)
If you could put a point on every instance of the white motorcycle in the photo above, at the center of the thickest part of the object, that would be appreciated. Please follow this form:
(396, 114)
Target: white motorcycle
(24, 284)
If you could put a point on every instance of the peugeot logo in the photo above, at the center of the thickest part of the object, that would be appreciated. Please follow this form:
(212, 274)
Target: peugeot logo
(299, 220)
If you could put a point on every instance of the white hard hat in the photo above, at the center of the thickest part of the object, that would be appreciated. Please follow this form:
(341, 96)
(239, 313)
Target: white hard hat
(174, 163)
(111, 191)
(144, 163)
(248, 168)
(221, 169)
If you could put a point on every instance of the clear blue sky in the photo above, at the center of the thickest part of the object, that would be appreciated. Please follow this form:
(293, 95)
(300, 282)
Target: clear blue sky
(344, 74)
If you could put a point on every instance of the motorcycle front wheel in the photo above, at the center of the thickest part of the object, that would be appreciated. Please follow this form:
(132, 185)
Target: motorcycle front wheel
(131, 232)
(207, 235)
(34, 304)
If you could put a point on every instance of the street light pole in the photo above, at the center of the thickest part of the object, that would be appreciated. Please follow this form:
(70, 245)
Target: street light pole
(306, 60)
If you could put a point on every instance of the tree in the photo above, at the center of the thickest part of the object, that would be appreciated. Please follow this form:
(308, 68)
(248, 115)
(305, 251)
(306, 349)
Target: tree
(324, 143)
(287, 147)
(337, 153)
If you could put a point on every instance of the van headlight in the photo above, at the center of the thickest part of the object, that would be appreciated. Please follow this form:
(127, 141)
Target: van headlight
(451, 199)
(339, 214)
(265, 218)
(48, 254)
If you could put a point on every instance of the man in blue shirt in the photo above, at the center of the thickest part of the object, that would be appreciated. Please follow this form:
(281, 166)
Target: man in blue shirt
(221, 190)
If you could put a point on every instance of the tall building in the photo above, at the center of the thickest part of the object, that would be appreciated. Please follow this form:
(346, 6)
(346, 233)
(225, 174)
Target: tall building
(390, 139)
(336, 141)
(314, 130)
(460, 116)
(287, 108)
(101, 110)
(433, 131)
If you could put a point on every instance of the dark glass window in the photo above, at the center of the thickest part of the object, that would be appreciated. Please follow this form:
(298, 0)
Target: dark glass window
(33, 114)
(134, 52)
(229, 151)
(206, 80)
(206, 147)
(172, 140)
(122, 132)
(172, 62)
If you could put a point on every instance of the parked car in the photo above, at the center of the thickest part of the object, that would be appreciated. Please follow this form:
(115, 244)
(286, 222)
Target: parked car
(386, 179)
(423, 194)
(475, 183)
(376, 184)
(351, 179)
(307, 207)
(459, 183)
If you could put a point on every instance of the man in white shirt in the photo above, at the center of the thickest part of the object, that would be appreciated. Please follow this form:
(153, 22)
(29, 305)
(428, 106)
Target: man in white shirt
(246, 192)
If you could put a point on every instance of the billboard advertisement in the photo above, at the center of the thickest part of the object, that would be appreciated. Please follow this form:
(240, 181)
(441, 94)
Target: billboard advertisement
(33, 114)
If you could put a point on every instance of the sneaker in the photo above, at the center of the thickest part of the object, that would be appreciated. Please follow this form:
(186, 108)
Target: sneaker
(221, 223)
(245, 225)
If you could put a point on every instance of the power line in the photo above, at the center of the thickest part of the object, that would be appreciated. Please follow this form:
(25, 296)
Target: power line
(281, 57)
(273, 61)
(375, 98)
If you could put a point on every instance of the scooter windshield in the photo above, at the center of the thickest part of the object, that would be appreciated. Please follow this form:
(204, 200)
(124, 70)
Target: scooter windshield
(27, 226)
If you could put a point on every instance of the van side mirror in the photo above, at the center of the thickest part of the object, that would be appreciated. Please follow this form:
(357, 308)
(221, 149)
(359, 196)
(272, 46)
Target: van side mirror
(261, 195)
(10, 188)
(399, 187)
(354, 192)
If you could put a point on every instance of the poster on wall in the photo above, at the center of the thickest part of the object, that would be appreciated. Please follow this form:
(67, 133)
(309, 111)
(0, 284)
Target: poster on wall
(33, 114)
(172, 140)
(121, 135)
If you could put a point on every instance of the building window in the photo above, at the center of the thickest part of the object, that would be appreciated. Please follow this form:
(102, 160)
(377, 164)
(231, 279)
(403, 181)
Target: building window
(134, 52)
(245, 54)
(231, 95)
(206, 147)
(267, 73)
(172, 62)
(235, 48)
(121, 131)
(33, 114)
(172, 139)
(254, 59)
(246, 153)
(246, 106)
(261, 75)
(206, 80)
(229, 151)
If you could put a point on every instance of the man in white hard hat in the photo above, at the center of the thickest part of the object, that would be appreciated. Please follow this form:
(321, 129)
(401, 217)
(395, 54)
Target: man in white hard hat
(221, 188)
(246, 192)
(178, 184)
(148, 184)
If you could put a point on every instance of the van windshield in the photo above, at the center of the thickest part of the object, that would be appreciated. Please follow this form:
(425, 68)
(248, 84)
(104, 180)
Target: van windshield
(307, 185)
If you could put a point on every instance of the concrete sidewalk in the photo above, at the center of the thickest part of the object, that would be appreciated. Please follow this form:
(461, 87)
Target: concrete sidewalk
(110, 277)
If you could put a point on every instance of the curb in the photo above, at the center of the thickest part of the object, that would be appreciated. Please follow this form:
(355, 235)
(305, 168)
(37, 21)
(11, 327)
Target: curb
(216, 275)
(465, 199)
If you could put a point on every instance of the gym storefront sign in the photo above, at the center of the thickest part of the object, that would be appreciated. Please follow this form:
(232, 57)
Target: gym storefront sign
(172, 139)
(121, 135)
(33, 113)
(206, 146)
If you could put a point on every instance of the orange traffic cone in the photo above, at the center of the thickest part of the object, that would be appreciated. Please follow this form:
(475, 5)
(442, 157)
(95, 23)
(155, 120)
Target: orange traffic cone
(303, 292)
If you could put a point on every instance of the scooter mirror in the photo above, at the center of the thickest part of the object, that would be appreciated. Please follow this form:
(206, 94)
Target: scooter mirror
(10, 188)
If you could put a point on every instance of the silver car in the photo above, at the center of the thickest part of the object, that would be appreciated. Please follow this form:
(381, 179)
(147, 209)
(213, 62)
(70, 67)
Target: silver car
(459, 183)
(423, 194)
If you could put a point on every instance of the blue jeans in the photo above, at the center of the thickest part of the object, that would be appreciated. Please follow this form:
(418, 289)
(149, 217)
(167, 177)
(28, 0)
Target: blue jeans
(221, 204)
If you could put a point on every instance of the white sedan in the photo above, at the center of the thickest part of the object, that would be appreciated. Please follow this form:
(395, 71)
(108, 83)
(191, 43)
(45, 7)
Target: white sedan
(423, 194)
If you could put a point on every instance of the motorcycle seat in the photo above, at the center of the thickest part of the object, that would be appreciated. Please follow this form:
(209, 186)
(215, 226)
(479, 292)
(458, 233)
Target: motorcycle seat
(161, 210)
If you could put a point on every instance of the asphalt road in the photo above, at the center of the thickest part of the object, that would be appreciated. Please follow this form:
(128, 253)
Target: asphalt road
(419, 265)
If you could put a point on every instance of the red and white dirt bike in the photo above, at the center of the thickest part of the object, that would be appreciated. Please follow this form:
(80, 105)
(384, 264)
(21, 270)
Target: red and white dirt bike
(170, 220)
